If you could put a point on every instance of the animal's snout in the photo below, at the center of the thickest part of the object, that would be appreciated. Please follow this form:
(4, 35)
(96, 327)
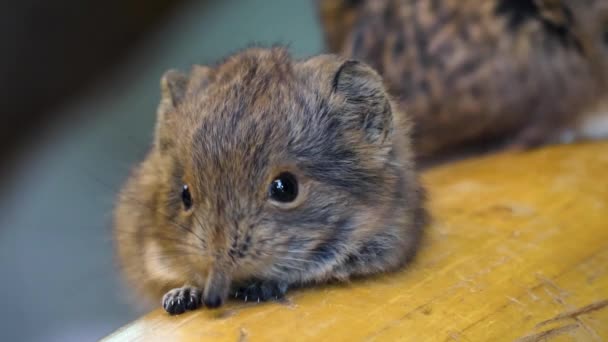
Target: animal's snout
(216, 288)
(213, 300)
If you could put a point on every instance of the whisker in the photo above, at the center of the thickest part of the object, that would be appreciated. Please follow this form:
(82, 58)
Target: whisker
(200, 223)
(158, 237)
(307, 253)
(175, 223)
(296, 259)
(291, 267)
(170, 255)
(167, 217)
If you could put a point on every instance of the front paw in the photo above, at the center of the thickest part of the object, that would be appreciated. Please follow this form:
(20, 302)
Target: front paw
(260, 291)
(182, 299)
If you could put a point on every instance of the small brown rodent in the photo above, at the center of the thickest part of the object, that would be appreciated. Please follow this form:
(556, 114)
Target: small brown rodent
(268, 173)
(521, 71)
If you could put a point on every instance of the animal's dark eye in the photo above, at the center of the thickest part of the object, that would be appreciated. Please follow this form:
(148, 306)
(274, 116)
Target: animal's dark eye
(284, 188)
(186, 197)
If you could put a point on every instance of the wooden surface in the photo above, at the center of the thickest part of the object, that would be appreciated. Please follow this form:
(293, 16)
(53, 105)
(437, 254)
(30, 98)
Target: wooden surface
(518, 250)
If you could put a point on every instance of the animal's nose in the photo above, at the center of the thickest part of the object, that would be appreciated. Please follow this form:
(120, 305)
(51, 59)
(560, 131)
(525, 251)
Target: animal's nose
(216, 288)
(213, 300)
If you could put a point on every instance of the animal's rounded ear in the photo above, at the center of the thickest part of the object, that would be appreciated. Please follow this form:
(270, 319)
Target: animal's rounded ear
(175, 86)
(366, 103)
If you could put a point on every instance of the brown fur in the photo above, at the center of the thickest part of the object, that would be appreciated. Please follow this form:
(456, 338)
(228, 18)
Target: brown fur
(472, 70)
(337, 17)
(226, 132)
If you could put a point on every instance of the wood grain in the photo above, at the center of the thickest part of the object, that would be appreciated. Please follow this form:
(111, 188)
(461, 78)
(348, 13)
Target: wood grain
(518, 250)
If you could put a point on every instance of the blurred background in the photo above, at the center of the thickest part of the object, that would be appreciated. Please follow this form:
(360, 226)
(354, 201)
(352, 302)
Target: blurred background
(80, 86)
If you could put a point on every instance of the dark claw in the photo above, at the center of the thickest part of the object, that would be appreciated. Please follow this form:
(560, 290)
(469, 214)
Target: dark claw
(260, 290)
(180, 300)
